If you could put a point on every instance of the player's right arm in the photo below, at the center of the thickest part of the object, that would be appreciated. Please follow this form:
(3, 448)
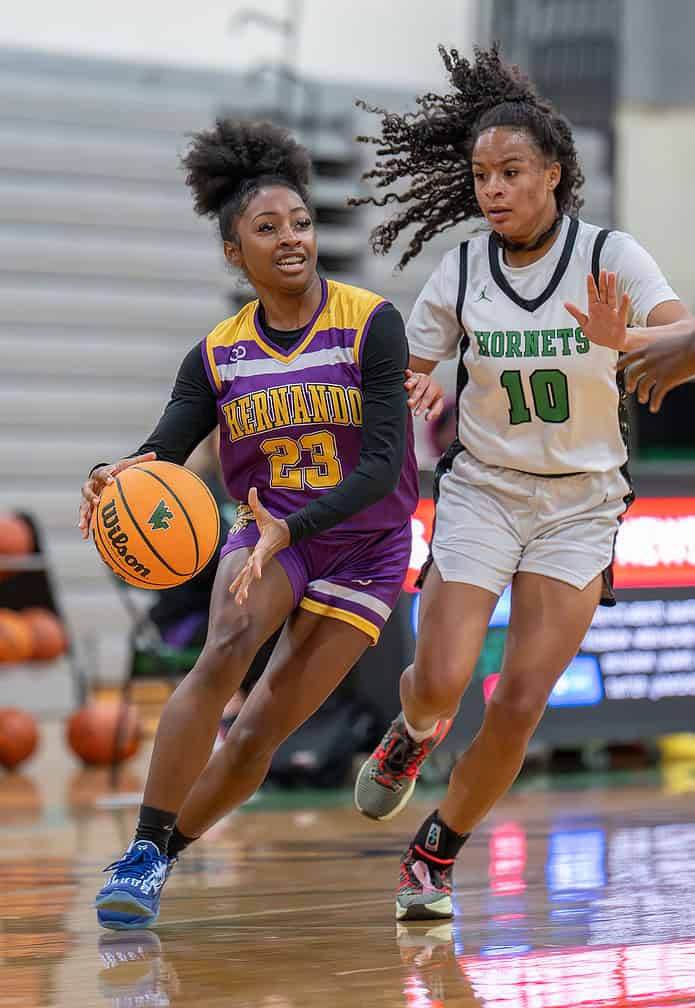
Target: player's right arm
(188, 418)
(99, 477)
(433, 333)
(425, 394)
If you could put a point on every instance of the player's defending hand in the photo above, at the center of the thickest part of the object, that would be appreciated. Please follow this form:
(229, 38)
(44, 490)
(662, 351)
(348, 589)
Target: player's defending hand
(424, 393)
(95, 483)
(606, 323)
(654, 370)
(274, 536)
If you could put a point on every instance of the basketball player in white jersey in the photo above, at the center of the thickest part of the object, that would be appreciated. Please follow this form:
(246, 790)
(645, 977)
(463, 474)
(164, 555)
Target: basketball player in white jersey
(532, 490)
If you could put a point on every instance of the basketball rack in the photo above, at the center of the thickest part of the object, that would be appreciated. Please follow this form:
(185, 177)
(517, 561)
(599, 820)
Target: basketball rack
(151, 659)
(31, 583)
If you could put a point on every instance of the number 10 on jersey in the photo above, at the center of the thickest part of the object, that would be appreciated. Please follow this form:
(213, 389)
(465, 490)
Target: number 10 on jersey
(550, 396)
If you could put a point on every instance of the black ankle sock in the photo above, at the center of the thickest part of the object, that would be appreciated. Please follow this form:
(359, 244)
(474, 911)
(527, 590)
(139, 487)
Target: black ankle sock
(156, 826)
(178, 842)
(437, 843)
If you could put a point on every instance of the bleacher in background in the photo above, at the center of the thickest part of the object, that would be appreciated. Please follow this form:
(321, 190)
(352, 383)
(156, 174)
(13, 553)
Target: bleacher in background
(107, 277)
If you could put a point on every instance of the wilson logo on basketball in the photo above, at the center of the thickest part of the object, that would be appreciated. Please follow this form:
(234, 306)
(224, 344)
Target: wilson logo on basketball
(119, 540)
(160, 517)
(156, 525)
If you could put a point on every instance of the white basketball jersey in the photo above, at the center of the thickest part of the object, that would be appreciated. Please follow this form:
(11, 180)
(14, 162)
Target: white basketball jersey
(533, 393)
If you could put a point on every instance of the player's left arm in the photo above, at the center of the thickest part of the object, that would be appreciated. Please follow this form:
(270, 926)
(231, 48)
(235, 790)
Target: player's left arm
(632, 306)
(659, 346)
(384, 431)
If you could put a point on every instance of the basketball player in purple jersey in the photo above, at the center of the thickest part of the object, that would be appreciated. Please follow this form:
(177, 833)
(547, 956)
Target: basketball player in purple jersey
(307, 385)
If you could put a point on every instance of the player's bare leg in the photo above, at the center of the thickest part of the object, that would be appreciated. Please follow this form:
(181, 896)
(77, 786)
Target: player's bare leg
(547, 625)
(452, 623)
(189, 721)
(187, 727)
(548, 622)
(312, 656)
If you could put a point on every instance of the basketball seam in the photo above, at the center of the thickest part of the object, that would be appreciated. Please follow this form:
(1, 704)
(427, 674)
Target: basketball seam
(127, 573)
(183, 508)
(149, 545)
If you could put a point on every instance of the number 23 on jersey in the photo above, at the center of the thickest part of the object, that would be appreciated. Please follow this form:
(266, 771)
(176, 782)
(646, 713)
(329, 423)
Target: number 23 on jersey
(287, 455)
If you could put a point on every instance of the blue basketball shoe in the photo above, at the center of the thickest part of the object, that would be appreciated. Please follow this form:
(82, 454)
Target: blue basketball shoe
(130, 899)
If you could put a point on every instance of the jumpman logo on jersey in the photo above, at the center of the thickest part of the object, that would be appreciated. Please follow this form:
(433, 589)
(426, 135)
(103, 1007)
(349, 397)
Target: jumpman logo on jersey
(483, 296)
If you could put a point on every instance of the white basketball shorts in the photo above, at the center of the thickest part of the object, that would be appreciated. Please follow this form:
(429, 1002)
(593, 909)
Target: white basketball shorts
(492, 522)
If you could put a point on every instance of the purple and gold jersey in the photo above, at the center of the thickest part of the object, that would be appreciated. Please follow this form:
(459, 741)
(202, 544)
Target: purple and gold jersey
(291, 422)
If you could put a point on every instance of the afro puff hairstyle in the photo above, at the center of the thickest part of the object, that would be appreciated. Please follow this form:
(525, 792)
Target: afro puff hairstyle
(227, 165)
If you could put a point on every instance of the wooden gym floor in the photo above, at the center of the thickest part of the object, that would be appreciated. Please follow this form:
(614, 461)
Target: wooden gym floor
(567, 896)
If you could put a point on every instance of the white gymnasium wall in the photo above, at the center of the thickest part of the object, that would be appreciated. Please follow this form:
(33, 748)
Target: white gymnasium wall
(655, 153)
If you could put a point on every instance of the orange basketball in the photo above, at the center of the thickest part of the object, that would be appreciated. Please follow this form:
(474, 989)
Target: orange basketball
(16, 537)
(48, 638)
(156, 525)
(102, 734)
(16, 641)
(19, 736)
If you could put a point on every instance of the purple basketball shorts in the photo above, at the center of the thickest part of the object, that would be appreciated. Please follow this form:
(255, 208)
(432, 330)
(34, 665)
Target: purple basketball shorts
(351, 576)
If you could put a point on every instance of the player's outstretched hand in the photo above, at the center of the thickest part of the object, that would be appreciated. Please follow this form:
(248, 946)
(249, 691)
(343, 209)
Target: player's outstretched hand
(274, 536)
(95, 483)
(424, 394)
(606, 323)
(654, 370)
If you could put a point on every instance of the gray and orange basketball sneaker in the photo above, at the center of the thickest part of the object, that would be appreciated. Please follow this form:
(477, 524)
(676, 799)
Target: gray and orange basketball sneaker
(387, 779)
(424, 892)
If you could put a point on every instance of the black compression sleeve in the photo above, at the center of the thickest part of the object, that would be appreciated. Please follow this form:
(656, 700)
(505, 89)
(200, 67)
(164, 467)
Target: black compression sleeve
(384, 428)
(189, 416)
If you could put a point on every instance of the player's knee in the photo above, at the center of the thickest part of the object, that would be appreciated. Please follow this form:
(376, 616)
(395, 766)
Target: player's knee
(248, 744)
(515, 709)
(437, 686)
(227, 646)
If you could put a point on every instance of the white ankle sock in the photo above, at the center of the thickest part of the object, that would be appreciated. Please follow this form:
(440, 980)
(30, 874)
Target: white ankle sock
(420, 736)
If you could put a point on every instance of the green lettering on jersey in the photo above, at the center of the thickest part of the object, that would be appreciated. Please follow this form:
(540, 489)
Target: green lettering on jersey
(548, 348)
(513, 343)
(497, 343)
(531, 342)
(583, 345)
(565, 335)
(482, 338)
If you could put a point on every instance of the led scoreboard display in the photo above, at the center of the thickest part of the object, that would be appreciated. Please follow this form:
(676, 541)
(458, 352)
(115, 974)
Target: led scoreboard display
(634, 675)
